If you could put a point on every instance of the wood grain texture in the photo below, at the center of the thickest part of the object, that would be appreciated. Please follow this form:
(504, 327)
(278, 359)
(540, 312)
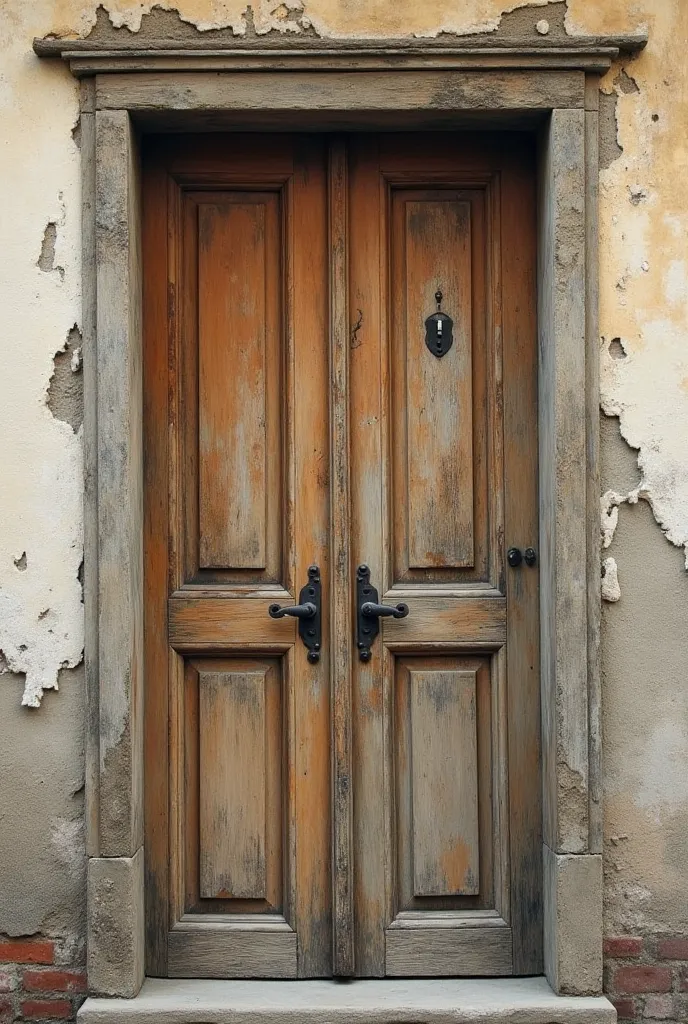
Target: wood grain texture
(231, 396)
(235, 953)
(238, 336)
(218, 622)
(449, 620)
(309, 509)
(432, 243)
(240, 755)
(443, 439)
(457, 621)
(233, 804)
(340, 560)
(370, 467)
(520, 383)
(465, 841)
(224, 611)
(444, 782)
(460, 952)
(155, 542)
(358, 847)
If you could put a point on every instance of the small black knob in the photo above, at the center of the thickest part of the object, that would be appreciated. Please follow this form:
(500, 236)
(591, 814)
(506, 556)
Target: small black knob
(514, 557)
(530, 556)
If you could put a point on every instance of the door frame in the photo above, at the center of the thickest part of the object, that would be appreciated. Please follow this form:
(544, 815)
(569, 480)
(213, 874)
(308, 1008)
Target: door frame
(549, 87)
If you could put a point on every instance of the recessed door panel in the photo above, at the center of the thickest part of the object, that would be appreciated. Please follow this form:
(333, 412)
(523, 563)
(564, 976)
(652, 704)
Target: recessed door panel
(431, 256)
(239, 348)
(438, 734)
(240, 725)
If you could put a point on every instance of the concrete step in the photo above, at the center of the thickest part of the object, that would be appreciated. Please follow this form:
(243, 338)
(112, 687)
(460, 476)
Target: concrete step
(388, 1001)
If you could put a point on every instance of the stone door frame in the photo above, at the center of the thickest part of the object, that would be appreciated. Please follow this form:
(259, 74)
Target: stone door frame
(143, 85)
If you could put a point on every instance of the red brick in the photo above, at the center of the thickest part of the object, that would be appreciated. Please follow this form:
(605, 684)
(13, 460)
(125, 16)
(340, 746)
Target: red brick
(6, 1011)
(622, 946)
(625, 1007)
(675, 948)
(7, 982)
(40, 1009)
(54, 981)
(27, 951)
(642, 978)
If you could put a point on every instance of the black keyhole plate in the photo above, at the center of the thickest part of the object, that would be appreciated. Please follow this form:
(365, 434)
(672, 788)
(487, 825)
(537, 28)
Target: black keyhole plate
(439, 336)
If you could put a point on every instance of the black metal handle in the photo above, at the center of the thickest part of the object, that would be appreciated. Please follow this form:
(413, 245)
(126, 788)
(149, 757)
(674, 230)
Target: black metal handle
(369, 612)
(298, 611)
(378, 611)
(308, 612)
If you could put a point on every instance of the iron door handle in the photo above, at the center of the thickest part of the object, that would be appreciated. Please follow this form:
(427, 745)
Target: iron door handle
(379, 611)
(298, 611)
(369, 612)
(308, 612)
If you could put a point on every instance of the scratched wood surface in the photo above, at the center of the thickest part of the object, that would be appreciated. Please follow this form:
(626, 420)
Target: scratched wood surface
(443, 758)
(340, 592)
(236, 357)
(370, 450)
(440, 406)
(238, 382)
(241, 795)
(428, 517)
(444, 782)
(431, 252)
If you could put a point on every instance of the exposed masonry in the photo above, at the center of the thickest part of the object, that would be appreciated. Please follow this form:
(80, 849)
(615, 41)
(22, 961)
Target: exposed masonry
(66, 391)
(646, 977)
(33, 983)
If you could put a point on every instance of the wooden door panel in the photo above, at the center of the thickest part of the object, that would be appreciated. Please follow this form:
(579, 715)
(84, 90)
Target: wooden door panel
(450, 790)
(441, 454)
(234, 761)
(232, 387)
(240, 464)
(474, 950)
(437, 740)
(439, 829)
(431, 251)
(238, 727)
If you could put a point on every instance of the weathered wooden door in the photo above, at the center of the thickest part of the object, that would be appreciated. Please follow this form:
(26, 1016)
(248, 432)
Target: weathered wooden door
(339, 792)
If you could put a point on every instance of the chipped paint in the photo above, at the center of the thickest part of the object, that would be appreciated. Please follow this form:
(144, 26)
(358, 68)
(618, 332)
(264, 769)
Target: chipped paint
(41, 614)
(644, 260)
(610, 580)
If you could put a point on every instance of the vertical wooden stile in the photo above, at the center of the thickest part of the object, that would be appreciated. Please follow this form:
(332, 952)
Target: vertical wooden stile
(340, 560)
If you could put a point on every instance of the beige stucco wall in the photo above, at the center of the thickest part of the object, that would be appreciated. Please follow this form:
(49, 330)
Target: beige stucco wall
(644, 358)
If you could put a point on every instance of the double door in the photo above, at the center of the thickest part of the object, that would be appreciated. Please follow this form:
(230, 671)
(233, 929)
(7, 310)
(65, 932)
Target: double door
(341, 650)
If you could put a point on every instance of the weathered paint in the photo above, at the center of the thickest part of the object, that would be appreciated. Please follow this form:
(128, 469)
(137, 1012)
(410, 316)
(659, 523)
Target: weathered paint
(644, 353)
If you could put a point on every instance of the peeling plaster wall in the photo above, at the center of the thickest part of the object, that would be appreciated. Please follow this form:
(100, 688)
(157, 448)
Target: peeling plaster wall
(644, 361)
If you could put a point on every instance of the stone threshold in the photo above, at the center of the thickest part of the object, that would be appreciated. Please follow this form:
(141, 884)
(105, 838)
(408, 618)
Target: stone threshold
(388, 1001)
